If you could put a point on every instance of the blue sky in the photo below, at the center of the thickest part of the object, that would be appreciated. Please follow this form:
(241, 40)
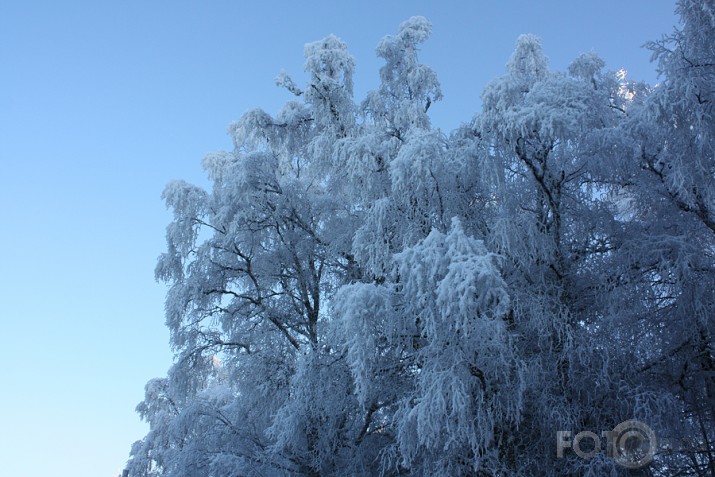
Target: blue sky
(103, 103)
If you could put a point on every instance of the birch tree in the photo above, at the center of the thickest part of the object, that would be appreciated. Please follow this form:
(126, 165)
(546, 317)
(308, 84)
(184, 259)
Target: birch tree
(360, 293)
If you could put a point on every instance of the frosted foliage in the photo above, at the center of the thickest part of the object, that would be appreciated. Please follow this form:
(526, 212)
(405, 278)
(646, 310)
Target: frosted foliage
(329, 62)
(284, 80)
(444, 319)
(359, 294)
(672, 183)
(407, 87)
(402, 75)
(366, 312)
(587, 66)
(468, 386)
(187, 201)
(331, 84)
(677, 128)
(553, 108)
(311, 428)
(416, 202)
(373, 240)
(364, 161)
(528, 62)
(527, 67)
(414, 176)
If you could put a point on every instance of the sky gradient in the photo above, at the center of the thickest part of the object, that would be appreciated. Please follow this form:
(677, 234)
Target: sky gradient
(103, 103)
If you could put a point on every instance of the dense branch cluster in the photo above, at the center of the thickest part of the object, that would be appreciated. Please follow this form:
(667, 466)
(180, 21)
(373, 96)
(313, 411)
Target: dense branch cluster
(361, 294)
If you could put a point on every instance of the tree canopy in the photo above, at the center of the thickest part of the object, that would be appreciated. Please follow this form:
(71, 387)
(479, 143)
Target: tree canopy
(361, 293)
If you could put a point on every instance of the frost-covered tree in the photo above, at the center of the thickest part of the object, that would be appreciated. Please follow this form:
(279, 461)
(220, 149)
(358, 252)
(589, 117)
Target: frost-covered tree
(432, 359)
(670, 185)
(541, 134)
(361, 294)
(396, 162)
(251, 265)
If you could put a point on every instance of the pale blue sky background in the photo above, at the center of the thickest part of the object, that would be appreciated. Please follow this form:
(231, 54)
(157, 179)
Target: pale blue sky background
(102, 103)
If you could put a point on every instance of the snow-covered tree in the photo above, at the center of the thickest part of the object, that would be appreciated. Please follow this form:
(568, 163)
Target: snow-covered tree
(541, 135)
(669, 255)
(361, 294)
(251, 265)
(432, 359)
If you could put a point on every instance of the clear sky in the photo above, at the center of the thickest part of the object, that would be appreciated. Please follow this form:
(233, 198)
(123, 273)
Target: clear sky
(102, 103)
